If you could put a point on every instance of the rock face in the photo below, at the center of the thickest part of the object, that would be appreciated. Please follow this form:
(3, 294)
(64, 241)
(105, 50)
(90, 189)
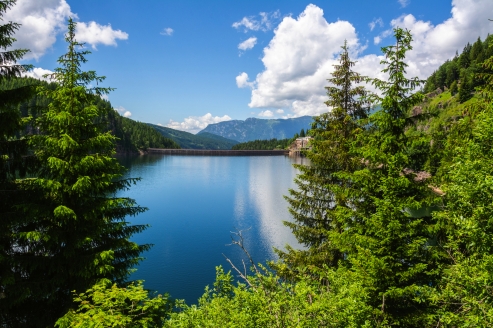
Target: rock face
(259, 129)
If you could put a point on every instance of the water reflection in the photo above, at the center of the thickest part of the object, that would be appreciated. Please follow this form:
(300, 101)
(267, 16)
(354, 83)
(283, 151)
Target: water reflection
(195, 202)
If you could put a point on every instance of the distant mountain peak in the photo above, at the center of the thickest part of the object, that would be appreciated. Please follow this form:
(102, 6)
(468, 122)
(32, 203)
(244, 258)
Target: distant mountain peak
(259, 129)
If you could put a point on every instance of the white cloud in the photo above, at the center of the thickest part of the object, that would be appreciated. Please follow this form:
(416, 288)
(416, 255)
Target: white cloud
(248, 43)
(194, 124)
(299, 58)
(280, 111)
(375, 22)
(123, 111)
(94, 34)
(297, 61)
(263, 23)
(266, 113)
(168, 31)
(433, 44)
(42, 21)
(404, 3)
(38, 73)
(383, 35)
(242, 81)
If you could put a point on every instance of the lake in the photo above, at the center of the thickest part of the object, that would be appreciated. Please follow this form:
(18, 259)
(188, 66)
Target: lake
(195, 202)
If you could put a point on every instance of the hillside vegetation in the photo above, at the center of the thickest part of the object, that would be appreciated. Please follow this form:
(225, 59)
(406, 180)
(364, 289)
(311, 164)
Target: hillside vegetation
(188, 140)
(132, 136)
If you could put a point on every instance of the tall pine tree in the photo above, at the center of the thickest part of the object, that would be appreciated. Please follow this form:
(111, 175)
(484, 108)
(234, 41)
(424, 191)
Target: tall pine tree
(319, 206)
(391, 233)
(74, 231)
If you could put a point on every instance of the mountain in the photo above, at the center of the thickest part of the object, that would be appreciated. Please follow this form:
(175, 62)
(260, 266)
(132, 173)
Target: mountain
(191, 141)
(258, 129)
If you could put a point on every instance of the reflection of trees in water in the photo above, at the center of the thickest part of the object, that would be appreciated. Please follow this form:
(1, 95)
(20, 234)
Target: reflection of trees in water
(130, 160)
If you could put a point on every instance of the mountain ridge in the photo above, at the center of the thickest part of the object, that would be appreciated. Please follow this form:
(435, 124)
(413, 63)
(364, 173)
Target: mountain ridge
(258, 129)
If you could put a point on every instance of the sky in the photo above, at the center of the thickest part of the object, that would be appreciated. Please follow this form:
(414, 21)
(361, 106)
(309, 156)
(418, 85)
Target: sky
(188, 63)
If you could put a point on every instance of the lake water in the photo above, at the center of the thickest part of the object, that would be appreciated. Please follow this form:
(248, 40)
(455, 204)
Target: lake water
(194, 203)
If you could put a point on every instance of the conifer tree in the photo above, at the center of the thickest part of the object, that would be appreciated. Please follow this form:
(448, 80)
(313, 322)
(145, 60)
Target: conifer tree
(320, 204)
(74, 231)
(390, 234)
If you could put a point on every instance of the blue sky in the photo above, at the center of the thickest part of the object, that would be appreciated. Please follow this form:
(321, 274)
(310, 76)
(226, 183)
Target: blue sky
(185, 64)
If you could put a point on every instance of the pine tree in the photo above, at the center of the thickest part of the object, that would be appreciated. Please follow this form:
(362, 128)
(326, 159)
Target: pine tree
(390, 233)
(319, 205)
(465, 87)
(74, 230)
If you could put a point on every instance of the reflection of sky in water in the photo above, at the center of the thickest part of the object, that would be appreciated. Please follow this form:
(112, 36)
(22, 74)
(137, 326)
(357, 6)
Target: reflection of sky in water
(194, 203)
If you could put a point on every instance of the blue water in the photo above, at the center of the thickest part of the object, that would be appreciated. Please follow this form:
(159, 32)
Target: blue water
(194, 203)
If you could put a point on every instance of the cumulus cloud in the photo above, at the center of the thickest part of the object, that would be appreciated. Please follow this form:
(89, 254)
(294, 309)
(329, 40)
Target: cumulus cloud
(94, 34)
(123, 111)
(242, 81)
(39, 73)
(254, 23)
(433, 44)
(404, 3)
(168, 31)
(248, 43)
(280, 111)
(299, 58)
(43, 20)
(194, 124)
(375, 22)
(266, 113)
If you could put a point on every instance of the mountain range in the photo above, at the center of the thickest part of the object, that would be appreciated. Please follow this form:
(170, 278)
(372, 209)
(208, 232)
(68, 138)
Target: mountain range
(258, 129)
(188, 140)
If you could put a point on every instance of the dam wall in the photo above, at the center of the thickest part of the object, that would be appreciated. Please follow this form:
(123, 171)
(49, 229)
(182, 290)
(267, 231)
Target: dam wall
(207, 152)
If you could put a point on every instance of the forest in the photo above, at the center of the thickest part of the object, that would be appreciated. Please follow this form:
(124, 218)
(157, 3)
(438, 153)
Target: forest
(394, 210)
(132, 136)
(268, 144)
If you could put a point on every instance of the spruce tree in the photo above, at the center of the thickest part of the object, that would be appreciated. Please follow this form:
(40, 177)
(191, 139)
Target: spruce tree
(390, 234)
(319, 206)
(74, 232)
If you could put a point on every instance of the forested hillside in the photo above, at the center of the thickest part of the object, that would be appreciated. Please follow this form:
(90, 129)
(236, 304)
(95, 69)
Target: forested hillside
(187, 140)
(132, 136)
(269, 144)
(462, 74)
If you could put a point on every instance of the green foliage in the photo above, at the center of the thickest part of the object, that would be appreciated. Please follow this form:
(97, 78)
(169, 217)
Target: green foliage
(107, 305)
(319, 204)
(465, 297)
(264, 144)
(14, 162)
(385, 242)
(72, 231)
(463, 67)
(202, 140)
(134, 136)
(272, 303)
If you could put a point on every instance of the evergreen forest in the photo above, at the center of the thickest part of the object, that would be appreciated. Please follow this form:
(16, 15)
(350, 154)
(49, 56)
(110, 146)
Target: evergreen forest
(394, 209)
